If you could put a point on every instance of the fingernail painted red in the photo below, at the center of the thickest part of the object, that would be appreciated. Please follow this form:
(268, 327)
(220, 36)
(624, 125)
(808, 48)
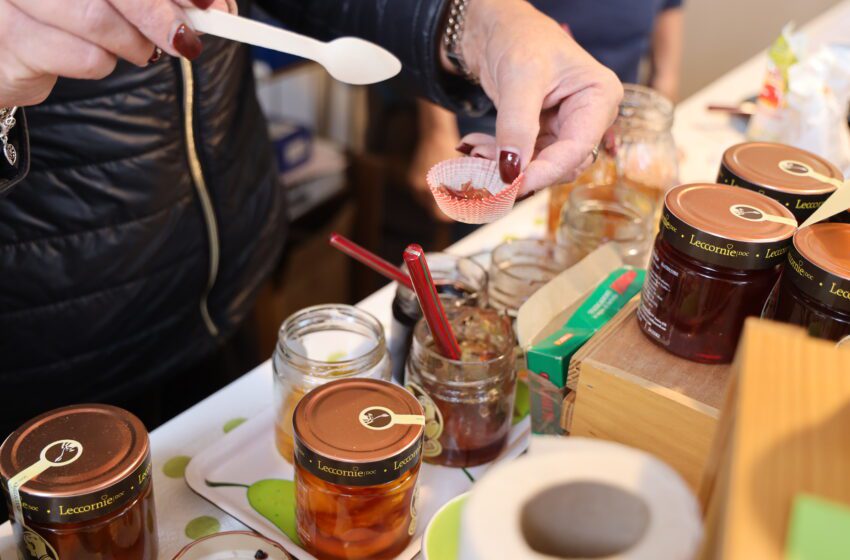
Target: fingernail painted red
(479, 156)
(509, 166)
(187, 42)
(526, 196)
(464, 148)
(203, 4)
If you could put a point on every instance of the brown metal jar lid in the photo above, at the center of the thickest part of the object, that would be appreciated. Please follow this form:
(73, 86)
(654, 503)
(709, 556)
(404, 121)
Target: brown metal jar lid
(358, 431)
(735, 228)
(758, 163)
(95, 459)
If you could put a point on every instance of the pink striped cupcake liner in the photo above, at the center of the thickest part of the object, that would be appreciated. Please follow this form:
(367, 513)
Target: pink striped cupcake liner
(483, 173)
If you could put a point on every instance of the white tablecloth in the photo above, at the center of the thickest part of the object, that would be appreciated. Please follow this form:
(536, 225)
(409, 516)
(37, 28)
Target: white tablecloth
(702, 137)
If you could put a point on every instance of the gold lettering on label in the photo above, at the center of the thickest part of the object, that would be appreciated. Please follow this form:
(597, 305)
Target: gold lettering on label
(353, 472)
(808, 205)
(798, 268)
(771, 253)
(143, 476)
(836, 291)
(401, 463)
(104, 501)
(665, 221)
(728, 251)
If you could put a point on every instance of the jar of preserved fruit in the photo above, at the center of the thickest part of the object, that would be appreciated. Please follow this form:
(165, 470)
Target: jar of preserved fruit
(459, 281)
(78, 481)
(468, 402)
(716, 260)
(358, 449)
(780, 172)
(320, 344)
(815, 290)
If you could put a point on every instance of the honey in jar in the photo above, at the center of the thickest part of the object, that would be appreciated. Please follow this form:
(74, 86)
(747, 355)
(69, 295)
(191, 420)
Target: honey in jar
(780, 172)
(358, 445)
(78, 484)
(716, 260)
(815, 291)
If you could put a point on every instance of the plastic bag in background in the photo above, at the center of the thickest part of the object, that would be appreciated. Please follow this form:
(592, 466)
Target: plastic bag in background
(817, 104)
(769, 120)
(804, 99)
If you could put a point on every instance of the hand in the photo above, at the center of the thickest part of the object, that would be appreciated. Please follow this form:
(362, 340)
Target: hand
(554, 100)
(44, 39)
(438, 141)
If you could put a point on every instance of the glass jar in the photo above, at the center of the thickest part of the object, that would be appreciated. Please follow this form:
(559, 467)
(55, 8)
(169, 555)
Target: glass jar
(716, 260)
(638, 151)
(775, 170)
(815, 290)
(520, 267)
(358, 452)
(459, 281)
(319, 344)
(468, 402)
(599, 214)
(97, 508)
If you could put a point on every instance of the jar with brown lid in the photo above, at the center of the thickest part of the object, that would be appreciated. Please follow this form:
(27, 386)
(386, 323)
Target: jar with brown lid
(78, 481)
(815, 291)
(358, 450)
(716, 260)
(780, 172)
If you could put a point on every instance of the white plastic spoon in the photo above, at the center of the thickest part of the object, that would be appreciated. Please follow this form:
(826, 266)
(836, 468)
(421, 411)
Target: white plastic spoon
(348, 59)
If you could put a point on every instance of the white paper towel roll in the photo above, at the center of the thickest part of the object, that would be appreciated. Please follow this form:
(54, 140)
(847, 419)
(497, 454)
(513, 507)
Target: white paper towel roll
(589, 499)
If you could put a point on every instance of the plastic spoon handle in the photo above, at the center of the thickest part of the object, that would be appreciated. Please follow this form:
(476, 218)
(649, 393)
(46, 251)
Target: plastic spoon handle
(244, 30)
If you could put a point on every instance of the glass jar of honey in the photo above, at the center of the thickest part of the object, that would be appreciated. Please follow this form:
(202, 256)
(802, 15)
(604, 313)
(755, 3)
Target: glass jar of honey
(815, 290)
(78, 482)
(781, 172)
(716, 260)
(459, 281)
(320, 344)
(468, 402)
(358, 450)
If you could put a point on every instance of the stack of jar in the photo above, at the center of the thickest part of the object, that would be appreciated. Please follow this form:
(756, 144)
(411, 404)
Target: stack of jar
(724, 254)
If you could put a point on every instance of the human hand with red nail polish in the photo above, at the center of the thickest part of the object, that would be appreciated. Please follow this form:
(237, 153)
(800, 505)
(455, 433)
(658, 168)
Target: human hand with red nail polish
(554, 101)
(83, 39)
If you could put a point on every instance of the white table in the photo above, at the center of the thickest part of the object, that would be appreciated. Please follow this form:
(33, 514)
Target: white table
(701, 135)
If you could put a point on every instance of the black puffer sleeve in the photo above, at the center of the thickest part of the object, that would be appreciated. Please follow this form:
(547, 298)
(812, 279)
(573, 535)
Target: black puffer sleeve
(10, 175)
(410, 29)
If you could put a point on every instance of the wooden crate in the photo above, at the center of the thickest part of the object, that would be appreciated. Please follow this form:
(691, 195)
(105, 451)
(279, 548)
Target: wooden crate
(629, 390)
(785, 430)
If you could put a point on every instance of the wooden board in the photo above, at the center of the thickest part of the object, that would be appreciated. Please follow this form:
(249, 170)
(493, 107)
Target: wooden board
(631, 391)
(785, 430)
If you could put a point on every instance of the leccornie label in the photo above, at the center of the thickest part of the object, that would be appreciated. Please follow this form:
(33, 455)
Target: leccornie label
(830, 290)
(738, 255)
(358, 474)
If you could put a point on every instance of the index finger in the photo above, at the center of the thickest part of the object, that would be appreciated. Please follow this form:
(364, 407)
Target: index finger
(164, 23)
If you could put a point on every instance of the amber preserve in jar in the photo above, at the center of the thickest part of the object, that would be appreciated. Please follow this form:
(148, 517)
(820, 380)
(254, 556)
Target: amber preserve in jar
(815, 290)
(78, 484)
(358, 449)
(781, 172)
(716, 260)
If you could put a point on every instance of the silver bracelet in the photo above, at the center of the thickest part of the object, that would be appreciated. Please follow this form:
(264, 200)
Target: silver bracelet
(453, 35)
(7, 123)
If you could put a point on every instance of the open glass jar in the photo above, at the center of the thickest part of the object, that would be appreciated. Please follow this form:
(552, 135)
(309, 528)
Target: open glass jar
(520, 267)
(320, 344)
(595, 215)
(358, 452)
(815, 291)
(459, 281)
(468, 402)
(716, 260)
(78, 481)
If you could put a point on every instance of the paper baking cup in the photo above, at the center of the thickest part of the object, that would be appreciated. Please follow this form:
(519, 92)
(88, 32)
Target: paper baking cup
(483, 173)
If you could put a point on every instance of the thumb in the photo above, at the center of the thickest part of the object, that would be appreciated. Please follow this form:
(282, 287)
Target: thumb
(517, 124)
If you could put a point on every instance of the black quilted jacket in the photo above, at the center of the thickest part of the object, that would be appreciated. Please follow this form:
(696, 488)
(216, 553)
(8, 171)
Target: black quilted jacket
(150, 212)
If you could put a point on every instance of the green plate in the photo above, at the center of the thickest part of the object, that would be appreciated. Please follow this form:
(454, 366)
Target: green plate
(442, 536)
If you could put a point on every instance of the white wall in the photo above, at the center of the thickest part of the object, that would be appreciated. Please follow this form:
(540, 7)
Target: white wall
(720, 34)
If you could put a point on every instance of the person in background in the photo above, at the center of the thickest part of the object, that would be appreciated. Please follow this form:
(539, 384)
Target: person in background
(141, 211)
(621, 34)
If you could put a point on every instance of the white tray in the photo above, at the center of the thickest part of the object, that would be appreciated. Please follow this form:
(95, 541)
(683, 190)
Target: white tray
(247, 455)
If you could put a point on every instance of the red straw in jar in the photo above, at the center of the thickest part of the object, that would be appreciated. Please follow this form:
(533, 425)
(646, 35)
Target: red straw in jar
(429, 301)
(370, 259)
